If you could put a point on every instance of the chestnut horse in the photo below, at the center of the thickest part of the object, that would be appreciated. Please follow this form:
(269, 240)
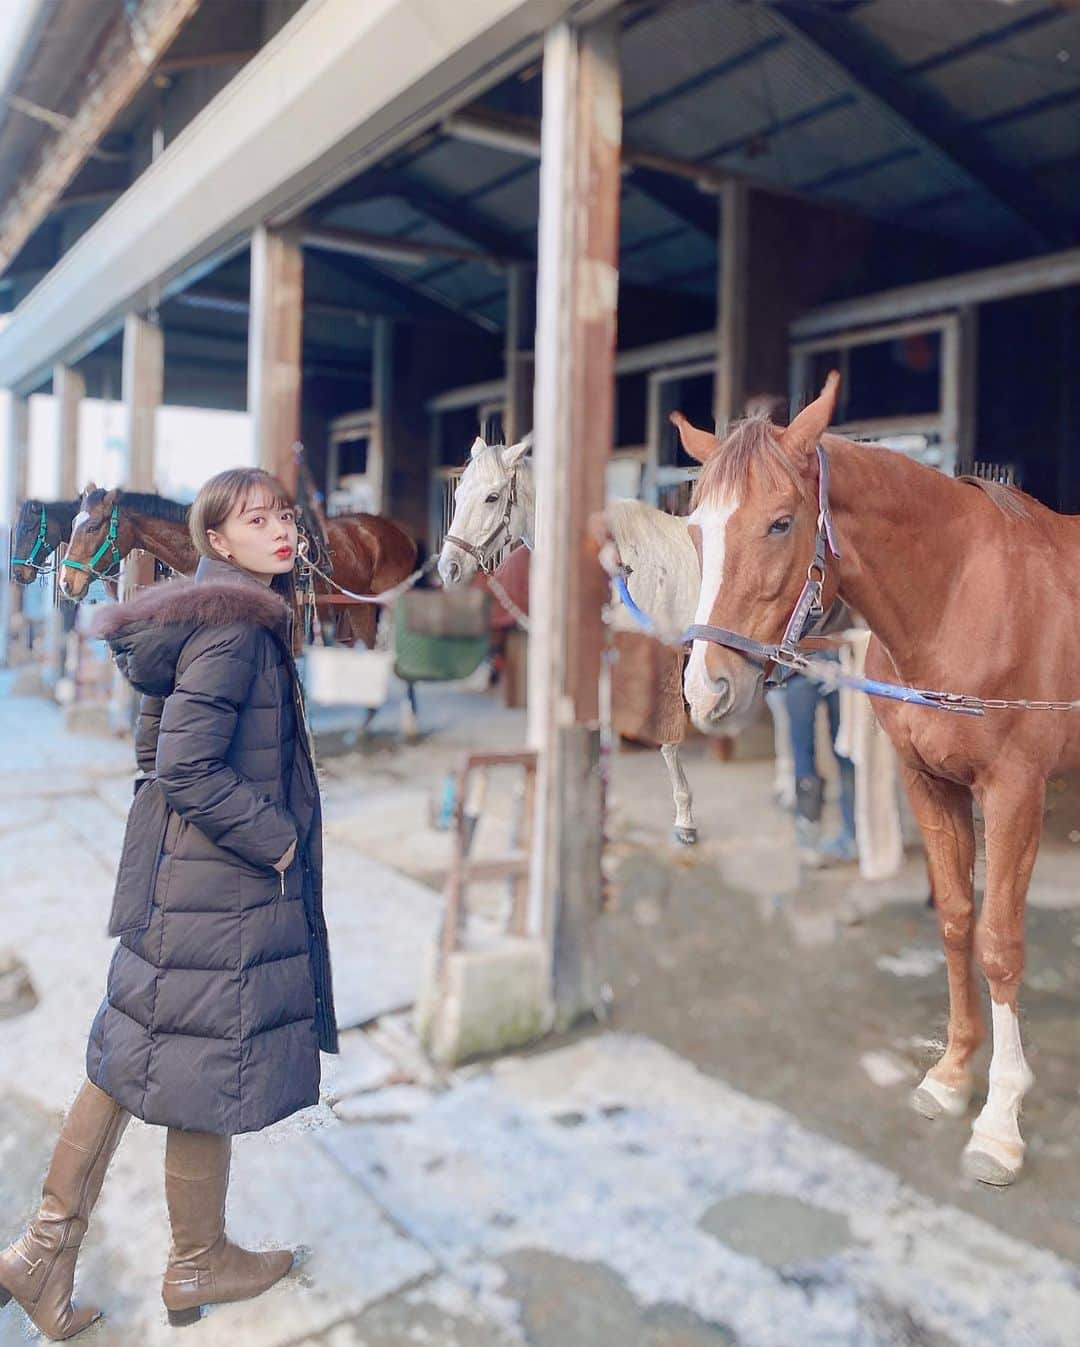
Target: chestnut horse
(369, 554)
(39, 530)
(967, 587)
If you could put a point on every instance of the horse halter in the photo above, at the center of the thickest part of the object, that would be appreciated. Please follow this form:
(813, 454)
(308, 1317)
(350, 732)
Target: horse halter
(110, 543)
(808, 609)
(479, 551)
(41, 544)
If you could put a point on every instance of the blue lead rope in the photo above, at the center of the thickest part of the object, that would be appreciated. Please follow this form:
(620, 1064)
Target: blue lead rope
(817, 670)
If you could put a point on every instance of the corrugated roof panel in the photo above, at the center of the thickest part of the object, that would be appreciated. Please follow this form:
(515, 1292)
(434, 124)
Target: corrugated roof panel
(674, 45)
(381, 215)
(774, 87)
(1029, 140)
(917, 32)
(1026, 68)
(641, 217)
(516, 204)
(461, 167)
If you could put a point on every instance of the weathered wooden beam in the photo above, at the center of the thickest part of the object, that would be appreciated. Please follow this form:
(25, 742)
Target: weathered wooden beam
(275, 348)
(122, 66)
(732, 304)
(574, 416)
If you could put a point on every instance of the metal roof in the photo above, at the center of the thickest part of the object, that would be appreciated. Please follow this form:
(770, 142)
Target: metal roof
(815, 98)
(960, 119)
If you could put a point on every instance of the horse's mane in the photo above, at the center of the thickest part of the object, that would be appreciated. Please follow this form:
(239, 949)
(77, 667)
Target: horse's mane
(1008, 499)
(752, 441)
(727, 472)
(30, 510)
(147, 503)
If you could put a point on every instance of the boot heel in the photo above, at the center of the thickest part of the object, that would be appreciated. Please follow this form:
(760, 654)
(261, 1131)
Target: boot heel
(183, 1318)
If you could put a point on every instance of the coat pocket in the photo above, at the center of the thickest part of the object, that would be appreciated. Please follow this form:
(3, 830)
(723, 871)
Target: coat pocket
(140, 857)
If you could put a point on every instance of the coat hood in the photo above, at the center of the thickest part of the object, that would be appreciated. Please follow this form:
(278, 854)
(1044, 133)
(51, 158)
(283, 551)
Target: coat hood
(147, 633)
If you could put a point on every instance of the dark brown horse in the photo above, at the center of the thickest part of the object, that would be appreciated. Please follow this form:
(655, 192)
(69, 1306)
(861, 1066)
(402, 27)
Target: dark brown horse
(966, 587)
(369, 554)
(41, 527)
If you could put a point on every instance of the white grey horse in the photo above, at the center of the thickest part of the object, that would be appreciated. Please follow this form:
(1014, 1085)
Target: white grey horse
(496, 505)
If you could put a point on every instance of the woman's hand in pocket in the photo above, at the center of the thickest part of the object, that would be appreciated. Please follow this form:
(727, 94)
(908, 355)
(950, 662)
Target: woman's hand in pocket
(283, 864)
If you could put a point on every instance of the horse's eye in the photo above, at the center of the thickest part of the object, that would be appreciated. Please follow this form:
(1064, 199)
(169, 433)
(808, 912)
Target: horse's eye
(781, 525)
(493, 499)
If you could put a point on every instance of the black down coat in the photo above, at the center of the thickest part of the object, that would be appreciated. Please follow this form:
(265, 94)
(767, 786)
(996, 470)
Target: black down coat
(219, 994)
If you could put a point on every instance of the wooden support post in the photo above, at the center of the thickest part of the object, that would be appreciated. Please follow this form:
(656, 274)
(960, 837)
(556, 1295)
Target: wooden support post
(520, 324)
(967, 429)
(381, 445)
(732, 279)
(16, 466)
(574, 416)
(69, 389)
(142, 389)
(275, 341)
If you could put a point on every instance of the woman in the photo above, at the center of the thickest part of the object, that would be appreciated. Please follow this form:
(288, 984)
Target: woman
(219, 994)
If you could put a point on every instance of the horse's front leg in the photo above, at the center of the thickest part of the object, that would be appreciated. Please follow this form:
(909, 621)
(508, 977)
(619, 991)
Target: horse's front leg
(685, 828)
(943, 812)
(1014, 815)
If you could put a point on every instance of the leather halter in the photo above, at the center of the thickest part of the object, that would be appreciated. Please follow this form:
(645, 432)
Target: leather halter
(808, 609)
(483, 553)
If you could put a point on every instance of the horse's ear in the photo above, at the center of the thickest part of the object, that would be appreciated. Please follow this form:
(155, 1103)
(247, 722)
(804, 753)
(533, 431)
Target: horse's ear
(514, 453)
(812, 422)
(111, 497)
(90, 486)
(478, 447)
(699, 444)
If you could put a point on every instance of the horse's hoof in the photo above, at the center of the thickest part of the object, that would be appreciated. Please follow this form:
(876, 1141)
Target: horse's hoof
(934, 1099)
(987, 1169)
(997, 1163)
(686, 837)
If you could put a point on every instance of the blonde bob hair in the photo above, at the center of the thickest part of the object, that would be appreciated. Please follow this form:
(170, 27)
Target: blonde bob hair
(229, 493)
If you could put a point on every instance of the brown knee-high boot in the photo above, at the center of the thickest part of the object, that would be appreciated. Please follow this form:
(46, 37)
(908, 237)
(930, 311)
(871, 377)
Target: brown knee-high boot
(38, 1270)
(205, 1268)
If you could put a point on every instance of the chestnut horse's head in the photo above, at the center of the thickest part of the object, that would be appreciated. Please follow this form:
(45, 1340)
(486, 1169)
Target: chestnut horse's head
(93, 551)
(754, 521)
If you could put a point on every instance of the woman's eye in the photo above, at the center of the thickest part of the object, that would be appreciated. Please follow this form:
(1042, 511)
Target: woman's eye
(256, 519)
(781, 525)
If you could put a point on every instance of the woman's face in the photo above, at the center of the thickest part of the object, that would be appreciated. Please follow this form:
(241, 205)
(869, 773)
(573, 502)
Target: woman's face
(259, 537)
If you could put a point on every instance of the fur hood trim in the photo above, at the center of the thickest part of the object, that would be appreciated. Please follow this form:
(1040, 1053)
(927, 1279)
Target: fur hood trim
(210, 602)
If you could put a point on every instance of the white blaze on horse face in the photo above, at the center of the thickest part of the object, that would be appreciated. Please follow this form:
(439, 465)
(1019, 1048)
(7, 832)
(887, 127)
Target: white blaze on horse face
(79, 520)
(713, 522)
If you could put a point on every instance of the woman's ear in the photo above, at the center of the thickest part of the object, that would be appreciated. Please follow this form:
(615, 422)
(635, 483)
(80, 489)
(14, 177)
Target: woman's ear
(218, 543)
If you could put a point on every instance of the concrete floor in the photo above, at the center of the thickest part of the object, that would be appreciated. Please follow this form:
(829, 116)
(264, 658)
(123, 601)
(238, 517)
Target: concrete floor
(729, 1160)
